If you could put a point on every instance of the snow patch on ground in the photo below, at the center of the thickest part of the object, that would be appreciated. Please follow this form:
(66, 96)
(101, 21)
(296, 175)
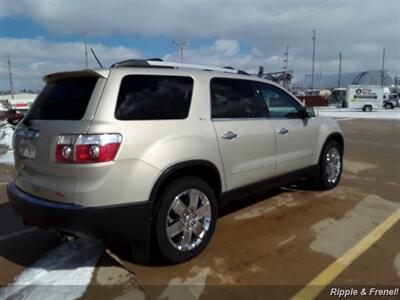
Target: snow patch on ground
(7, 158)
(356, 166)
(284, 242)
(283, 200)
(6, 151)
(189, 288)
(397, 264)
(335, 236)
(349, 113)
(62, 273)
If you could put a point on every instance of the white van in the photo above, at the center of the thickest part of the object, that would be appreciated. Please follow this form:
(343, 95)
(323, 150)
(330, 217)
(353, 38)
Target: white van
(366, 97)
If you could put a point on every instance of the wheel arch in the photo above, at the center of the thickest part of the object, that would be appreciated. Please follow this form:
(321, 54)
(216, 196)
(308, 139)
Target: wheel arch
(335, 136)
(202, 169)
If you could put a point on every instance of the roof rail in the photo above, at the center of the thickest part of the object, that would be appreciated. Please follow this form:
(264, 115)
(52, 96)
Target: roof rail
(157, 63)
(243, 72)
(131, 63)
(138, 63)
(155, 59)
(190, 66)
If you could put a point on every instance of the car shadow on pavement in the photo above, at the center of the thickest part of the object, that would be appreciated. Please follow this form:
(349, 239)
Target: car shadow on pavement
(19, 243)
(19, 237)
(237, 204)
(122, 250)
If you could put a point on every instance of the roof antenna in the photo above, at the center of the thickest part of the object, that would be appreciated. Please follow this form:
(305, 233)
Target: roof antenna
(95, 56)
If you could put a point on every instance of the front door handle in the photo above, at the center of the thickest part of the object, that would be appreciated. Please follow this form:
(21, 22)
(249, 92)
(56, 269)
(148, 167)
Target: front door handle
(283, 130)
(230, 135)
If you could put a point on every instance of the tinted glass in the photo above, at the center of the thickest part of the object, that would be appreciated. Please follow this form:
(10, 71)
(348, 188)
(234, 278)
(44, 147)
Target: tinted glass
(150, 97)
(65, 99)
(280, 104)
(234, 98)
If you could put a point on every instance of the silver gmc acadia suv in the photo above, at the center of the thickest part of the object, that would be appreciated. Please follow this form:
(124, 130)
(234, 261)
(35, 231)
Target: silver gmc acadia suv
(148, 151)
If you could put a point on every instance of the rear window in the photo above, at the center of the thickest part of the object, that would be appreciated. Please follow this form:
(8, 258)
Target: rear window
(65, 99)
(151, 97)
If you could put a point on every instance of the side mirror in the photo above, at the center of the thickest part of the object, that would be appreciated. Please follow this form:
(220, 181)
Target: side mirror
(310, 111)
(303, 114)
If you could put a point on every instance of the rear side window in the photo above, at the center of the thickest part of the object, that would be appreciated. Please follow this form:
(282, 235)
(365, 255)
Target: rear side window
(233, 98)
(153, 97)
(65, 99)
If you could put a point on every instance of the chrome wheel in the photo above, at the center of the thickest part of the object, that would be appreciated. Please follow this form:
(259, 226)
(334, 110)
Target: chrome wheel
(188, 219)
(333, 165)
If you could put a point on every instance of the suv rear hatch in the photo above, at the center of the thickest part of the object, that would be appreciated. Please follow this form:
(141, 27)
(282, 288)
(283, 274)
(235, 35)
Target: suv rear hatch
(66, 105)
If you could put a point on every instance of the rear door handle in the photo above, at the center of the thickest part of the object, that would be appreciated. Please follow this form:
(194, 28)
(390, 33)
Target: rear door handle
(283, 130)
(229, 135)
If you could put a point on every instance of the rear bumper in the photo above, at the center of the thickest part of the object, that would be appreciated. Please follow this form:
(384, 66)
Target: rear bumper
(130, 222)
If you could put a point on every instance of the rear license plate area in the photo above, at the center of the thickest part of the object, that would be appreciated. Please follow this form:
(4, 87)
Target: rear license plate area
(25, 142)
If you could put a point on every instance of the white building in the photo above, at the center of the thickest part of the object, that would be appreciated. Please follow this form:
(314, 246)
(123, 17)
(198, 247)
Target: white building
(22, 100)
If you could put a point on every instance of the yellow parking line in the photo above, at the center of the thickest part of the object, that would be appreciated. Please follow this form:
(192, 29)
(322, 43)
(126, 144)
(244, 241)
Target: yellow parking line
(320, 282)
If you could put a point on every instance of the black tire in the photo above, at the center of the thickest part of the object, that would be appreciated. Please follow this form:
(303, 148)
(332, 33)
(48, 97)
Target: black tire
(388, 106)
(320, 178)
(169, 192)
(367, 108)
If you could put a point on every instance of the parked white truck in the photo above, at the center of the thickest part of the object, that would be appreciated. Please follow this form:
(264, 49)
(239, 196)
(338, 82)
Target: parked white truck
(367, 97)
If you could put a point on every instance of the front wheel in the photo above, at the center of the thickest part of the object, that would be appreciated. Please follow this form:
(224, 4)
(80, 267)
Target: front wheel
(186, 218)
(329, 168)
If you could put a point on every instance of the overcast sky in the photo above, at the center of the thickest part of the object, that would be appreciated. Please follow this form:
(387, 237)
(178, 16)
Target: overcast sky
(45, 36)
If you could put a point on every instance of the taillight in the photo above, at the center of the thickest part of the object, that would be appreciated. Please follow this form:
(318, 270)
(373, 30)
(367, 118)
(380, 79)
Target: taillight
(90, 148)
(64, 147)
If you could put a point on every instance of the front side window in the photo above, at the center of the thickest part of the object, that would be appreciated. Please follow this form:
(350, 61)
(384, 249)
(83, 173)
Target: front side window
(154, 97)
(280, 104)
(234, 98)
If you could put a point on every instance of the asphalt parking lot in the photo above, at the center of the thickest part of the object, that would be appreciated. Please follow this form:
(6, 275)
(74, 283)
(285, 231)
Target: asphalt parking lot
(287, 243)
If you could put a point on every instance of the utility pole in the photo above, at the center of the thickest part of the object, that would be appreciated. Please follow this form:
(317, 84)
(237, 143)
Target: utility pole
(313, 60)
(319, 77)
(340, 69)
(383, 66)
(10, 76)
(181, 45)
(285, 68)
(286, 59)
(86, 50)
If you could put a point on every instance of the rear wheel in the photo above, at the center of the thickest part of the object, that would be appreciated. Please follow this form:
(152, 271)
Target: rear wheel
(367, 108)
(185, 219)
(329, 169)
(388, 106)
